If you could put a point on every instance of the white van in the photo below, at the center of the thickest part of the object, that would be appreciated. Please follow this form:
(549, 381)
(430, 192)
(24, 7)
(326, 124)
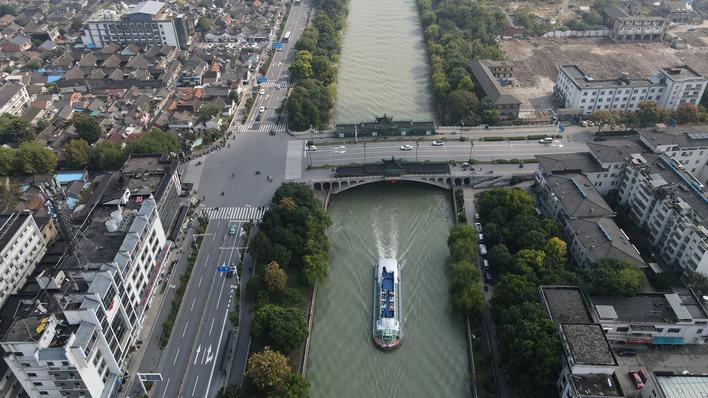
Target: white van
(547, 140)
(483, 249)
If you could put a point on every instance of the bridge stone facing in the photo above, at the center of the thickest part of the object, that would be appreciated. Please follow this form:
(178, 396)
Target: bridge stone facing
(444, 181)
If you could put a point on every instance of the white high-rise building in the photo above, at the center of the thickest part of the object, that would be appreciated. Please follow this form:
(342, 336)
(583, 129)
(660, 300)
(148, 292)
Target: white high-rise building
(21, 247)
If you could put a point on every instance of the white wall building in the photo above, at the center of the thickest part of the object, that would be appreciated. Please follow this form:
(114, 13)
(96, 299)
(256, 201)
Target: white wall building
(670, 87)
(21, 247)
(13, 98)
(148, 23)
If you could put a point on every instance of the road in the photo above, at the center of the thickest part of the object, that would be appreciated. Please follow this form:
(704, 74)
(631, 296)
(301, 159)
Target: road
(272, 96)
(452, 150)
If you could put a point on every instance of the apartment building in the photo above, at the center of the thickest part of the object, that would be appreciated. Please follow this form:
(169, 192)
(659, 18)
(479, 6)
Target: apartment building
(669, 203)
(663, 384)
(626, 23)
(21, 247)
(589, 368)
(653, 318)
(686, 144)
(577, 90)
(148, 23)
(75, 339)
(13, 98)
(486, 73)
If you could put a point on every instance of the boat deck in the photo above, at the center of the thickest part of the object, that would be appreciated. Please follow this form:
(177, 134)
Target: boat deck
(387, 295)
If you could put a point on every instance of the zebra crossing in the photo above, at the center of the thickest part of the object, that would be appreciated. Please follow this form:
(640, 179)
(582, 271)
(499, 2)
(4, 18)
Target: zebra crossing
(242, 213)
(241, 128)
(273, 84)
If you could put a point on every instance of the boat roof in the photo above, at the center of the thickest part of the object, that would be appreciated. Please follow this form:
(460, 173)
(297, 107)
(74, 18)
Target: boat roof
(390, 264)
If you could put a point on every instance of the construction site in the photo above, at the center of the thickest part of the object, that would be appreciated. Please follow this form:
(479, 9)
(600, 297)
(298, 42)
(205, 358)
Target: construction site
(536, 61)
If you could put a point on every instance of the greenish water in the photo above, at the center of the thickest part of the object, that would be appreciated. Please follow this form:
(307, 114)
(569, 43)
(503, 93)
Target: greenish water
(383, 67)
(409, 222)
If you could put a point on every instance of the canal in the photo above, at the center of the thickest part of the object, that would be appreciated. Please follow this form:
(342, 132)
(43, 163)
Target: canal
(383, 66)
(409, 222)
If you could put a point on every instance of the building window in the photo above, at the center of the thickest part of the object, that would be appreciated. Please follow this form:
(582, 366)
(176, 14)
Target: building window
(674, 330)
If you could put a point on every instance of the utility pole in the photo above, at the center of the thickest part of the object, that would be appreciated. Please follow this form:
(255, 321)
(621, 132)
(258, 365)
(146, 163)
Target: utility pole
(471, 145)
(417, 144)
(365, 153)
(356, 135)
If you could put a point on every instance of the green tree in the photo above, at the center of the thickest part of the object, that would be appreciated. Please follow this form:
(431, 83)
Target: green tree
(7, 161)
(301, 67)
(612, 277)
(315, 267)
(78, 152)
(15, 130)
(9, 196)
(650, 113)
(490, 116)
(208, 111)
(87, 127)
(461, 105)
(512, 290)
(106, 156)
(603, 118)
(283, 328)
(6, 9)
(42, 124)
(274, 278)
(295, 386)
(687, 113)
(204, 24)
(267, 369)
(155, 141)
(33, 158)
(500, 259)
(76, 24)
(465, 290)
(529, 262)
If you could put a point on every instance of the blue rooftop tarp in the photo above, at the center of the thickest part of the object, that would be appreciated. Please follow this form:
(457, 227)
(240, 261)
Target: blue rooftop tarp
(53, 78)
(65, 177)
(667, 340)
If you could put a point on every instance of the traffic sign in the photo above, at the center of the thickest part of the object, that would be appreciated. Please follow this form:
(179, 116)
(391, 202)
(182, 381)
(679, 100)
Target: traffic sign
(261, 79)
(277, 45)
(223, 269)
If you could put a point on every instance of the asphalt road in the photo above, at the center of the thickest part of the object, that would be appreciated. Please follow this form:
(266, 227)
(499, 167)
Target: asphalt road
(452, 150)
(277, 73)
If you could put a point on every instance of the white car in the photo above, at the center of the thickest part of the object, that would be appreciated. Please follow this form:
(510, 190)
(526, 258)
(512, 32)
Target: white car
(547, 140)
(438, 143)
(478, 226)
(261, 109)
(406, 147)
(262, 91)
(312, 148)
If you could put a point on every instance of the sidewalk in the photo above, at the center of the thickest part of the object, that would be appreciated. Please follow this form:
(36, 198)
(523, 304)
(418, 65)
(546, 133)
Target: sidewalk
(146, 358)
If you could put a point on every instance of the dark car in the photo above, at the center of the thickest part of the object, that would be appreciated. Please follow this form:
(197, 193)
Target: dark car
(272, 132)
(627, 353)
(600, 138)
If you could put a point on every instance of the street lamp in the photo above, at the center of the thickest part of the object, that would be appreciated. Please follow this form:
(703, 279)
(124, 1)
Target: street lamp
(365, 153)
(417, 143)
(471, 145)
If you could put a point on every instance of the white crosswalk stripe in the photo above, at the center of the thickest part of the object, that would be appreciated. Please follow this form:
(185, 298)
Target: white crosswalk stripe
(242, 128)
(242, 213)
(273, 84)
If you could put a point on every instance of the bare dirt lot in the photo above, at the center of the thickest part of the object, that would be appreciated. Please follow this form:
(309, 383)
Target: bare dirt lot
(536, 62)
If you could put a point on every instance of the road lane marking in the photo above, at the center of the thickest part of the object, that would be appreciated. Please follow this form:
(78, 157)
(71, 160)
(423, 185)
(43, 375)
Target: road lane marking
(221, 335)
(193, 301)
(196, 357)
(176, 355)
(218, 301)
(207, 259)
(166, 385)
(195, 385)
(200, 280)
(212, 325)
(185, 328)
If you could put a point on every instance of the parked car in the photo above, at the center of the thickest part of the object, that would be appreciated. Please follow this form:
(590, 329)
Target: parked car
(481, 237)
(486, 265)
(483, 249)
(261, 91)
(312, 148)
(232, 230)
(488, 277)
(476, 216)
(406, 147)
(438, 143)
(261, 109)
(478, 226)
(547, 140)
(627, 353)
(638, 383)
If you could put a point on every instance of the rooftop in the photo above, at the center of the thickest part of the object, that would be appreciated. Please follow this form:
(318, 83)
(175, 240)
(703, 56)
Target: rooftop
(588, 344)
(680, 72)
(602, 238)
(9, 225)
(145, 174)
(649, 308)
(616, 150)
(578, 196)
(583, 80)
(147, 7)
(580, 162)
(684, 386)
(489, 83)
(7, 91)
(597, 385)
(681, 136)
(566, 304)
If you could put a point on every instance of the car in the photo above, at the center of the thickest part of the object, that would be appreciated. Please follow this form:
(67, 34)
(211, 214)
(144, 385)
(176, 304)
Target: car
(406, 147)
(483, 249)
(547, 140)
(438, 143)
(486, 264)
(481, 237)
(230, 272)
(261, 91)
(261, 109)
(476, 216)
(277, 86)
(627, 353)
(488, 277)
(590, 123)
(466, 164)
(599, 138)
(232, 229)
(638, 383)
(271, 132)
(478, 226)
(312, 148)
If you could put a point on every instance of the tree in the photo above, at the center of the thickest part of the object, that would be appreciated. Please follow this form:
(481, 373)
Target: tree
(7, 161)
(698, 282)
(204, 24)
(500, 259)
(15, 130)
(295, 386)
(42, 124)
(208, 111)
(274, 278)
(513, 290)
(687, 113)
(490, 116)
(301, 68)
(87, 127)
(650, 113)
(283, 328)
(461, 105)
(76, 24)
(106, 156)
(77, 152)
(6, 9)
(612, 277)
(9, 195)
(315, 267)
(603, 118)
(33, 158)
(155, 141)
(267, 369)
(465, 290)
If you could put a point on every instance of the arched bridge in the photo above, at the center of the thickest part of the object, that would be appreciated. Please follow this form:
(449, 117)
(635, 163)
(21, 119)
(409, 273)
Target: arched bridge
(336, 185)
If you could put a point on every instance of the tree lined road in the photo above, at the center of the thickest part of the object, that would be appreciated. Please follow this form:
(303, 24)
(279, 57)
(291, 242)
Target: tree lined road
(452, 150)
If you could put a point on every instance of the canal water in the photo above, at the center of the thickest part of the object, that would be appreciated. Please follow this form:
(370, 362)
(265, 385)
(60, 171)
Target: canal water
(383, 66)
(408, 222)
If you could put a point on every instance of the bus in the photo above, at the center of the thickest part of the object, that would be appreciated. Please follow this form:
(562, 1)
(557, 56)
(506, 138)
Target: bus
(286, 37)
(297, 2)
